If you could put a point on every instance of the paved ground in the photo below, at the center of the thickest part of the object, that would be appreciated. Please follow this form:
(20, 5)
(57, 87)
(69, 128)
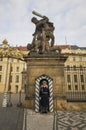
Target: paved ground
(1, 99)
(37, 121)
(64, 121)
(71, 120)
(11, 118)
(15, 118)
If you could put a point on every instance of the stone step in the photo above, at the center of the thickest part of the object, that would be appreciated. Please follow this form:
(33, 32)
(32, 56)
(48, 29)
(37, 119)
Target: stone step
(37, 121)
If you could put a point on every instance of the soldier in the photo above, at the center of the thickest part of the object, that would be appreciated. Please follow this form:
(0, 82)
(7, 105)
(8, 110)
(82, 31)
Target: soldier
(44, 97)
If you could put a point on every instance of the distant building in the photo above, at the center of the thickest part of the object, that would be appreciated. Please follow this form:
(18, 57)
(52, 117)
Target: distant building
(75, 73)
(12, 68)
(13, 76)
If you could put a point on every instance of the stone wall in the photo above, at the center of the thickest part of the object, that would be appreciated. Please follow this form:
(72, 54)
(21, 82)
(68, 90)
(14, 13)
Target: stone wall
(52, 66)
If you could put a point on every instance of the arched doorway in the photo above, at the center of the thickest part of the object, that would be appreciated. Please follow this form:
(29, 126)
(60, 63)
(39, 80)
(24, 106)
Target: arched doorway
(37, 87)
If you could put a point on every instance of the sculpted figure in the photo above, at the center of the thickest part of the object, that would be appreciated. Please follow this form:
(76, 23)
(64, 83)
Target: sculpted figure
(43, 37)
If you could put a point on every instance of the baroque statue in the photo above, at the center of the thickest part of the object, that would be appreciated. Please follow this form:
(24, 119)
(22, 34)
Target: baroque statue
(43, 37)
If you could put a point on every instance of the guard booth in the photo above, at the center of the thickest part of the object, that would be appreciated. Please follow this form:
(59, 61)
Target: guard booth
(37, 88)
(49, 67)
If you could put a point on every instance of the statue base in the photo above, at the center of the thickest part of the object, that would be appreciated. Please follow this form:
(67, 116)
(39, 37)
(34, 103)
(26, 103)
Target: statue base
(49, 66)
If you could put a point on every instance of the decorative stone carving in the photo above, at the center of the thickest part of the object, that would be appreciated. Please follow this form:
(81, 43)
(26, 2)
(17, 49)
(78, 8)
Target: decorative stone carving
(43, 37)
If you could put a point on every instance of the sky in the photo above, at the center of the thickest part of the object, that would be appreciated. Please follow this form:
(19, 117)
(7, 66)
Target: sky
(68, 17)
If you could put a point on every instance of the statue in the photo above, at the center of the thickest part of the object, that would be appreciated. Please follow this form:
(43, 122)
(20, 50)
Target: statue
(43, 37)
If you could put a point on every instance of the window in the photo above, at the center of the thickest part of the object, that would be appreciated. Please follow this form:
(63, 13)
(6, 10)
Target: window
(81, 68)
(68, 67)
(0, 78)
(75, 78)
(76, 87)
(68, 78)
(69, 87)
(0, 68)
(74, 67)
(82, 78)
(17, 78)
(17, 69)
(83, 87)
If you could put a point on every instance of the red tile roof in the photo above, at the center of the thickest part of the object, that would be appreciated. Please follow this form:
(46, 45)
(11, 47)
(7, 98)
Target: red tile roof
(23, 48)
(63, 46)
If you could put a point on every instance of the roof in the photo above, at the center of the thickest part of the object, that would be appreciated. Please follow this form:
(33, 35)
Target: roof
(74, 47)
(63, 46)
(23, 48)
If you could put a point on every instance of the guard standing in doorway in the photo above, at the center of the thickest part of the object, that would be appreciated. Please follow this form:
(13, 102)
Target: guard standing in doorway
(44, 97)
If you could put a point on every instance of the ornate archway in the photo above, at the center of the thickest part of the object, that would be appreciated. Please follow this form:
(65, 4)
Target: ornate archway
(37, 86)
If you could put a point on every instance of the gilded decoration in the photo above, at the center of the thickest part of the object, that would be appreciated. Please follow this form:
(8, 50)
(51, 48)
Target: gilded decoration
(8, 51)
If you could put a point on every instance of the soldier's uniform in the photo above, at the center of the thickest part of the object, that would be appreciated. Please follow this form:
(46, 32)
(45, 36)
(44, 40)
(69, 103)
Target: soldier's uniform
(44, 99)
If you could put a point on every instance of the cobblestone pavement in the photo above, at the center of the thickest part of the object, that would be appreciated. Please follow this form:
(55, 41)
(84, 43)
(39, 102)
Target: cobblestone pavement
(65, 120)
(71, 120)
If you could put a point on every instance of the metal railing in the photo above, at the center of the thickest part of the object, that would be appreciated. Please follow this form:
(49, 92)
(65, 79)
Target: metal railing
(76, 96)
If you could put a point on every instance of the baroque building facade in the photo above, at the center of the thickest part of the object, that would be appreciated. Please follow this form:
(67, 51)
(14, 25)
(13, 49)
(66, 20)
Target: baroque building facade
(75, 74)
(12, 67)
(11, 74)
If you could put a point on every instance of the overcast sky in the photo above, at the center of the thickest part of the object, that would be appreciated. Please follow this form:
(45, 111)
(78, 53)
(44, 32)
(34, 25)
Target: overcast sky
(68, 16)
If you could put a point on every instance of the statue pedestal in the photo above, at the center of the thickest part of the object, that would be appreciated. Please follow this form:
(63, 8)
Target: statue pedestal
(44, 66)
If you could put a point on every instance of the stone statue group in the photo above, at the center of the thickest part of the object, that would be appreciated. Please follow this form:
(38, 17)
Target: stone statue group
(43, 37)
